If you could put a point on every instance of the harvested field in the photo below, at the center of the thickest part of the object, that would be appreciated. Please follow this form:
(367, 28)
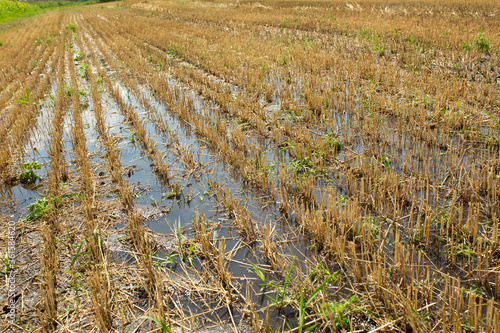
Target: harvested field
(251, 166)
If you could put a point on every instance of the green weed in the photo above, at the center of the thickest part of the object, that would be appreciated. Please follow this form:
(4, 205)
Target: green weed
(341, 311)
(280, 300)
(41, 206)
(385, 161)
(8, 265)
(416, 235)
(331, 143)
(283, 58)
(303, 306)
(377, 43)
(182, 256)
(320, 273)
(82, 93)
(71, 27)
(440, 218)
(371, 225)
(478, 290)
(481, 42)
(28, 174)
(77, 56)
(301, 164)
(396, 30)
(68, 90)
(497, 121)
(162, 325)
(466, 47)
(241, 123)
(294, 115)
(25, 99)
(79, 253)
(38, 209)
(84, 70)
(462, 250)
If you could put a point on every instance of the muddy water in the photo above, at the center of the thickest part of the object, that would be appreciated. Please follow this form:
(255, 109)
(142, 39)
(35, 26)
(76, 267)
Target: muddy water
(168, 214)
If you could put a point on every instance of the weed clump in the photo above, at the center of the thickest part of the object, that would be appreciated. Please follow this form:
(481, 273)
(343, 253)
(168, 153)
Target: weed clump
(466, 47)
(25, 99)
(330, 143)
(71, 27)
(9, 265)
(38, 209)
(341, 312)
(28, 174)
(481, 42)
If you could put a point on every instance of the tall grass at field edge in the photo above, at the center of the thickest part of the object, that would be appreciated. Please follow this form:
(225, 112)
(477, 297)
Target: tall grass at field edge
(11, 10)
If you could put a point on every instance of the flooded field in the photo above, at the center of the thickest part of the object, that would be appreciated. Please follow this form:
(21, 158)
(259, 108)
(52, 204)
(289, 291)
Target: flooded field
(243, 166)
